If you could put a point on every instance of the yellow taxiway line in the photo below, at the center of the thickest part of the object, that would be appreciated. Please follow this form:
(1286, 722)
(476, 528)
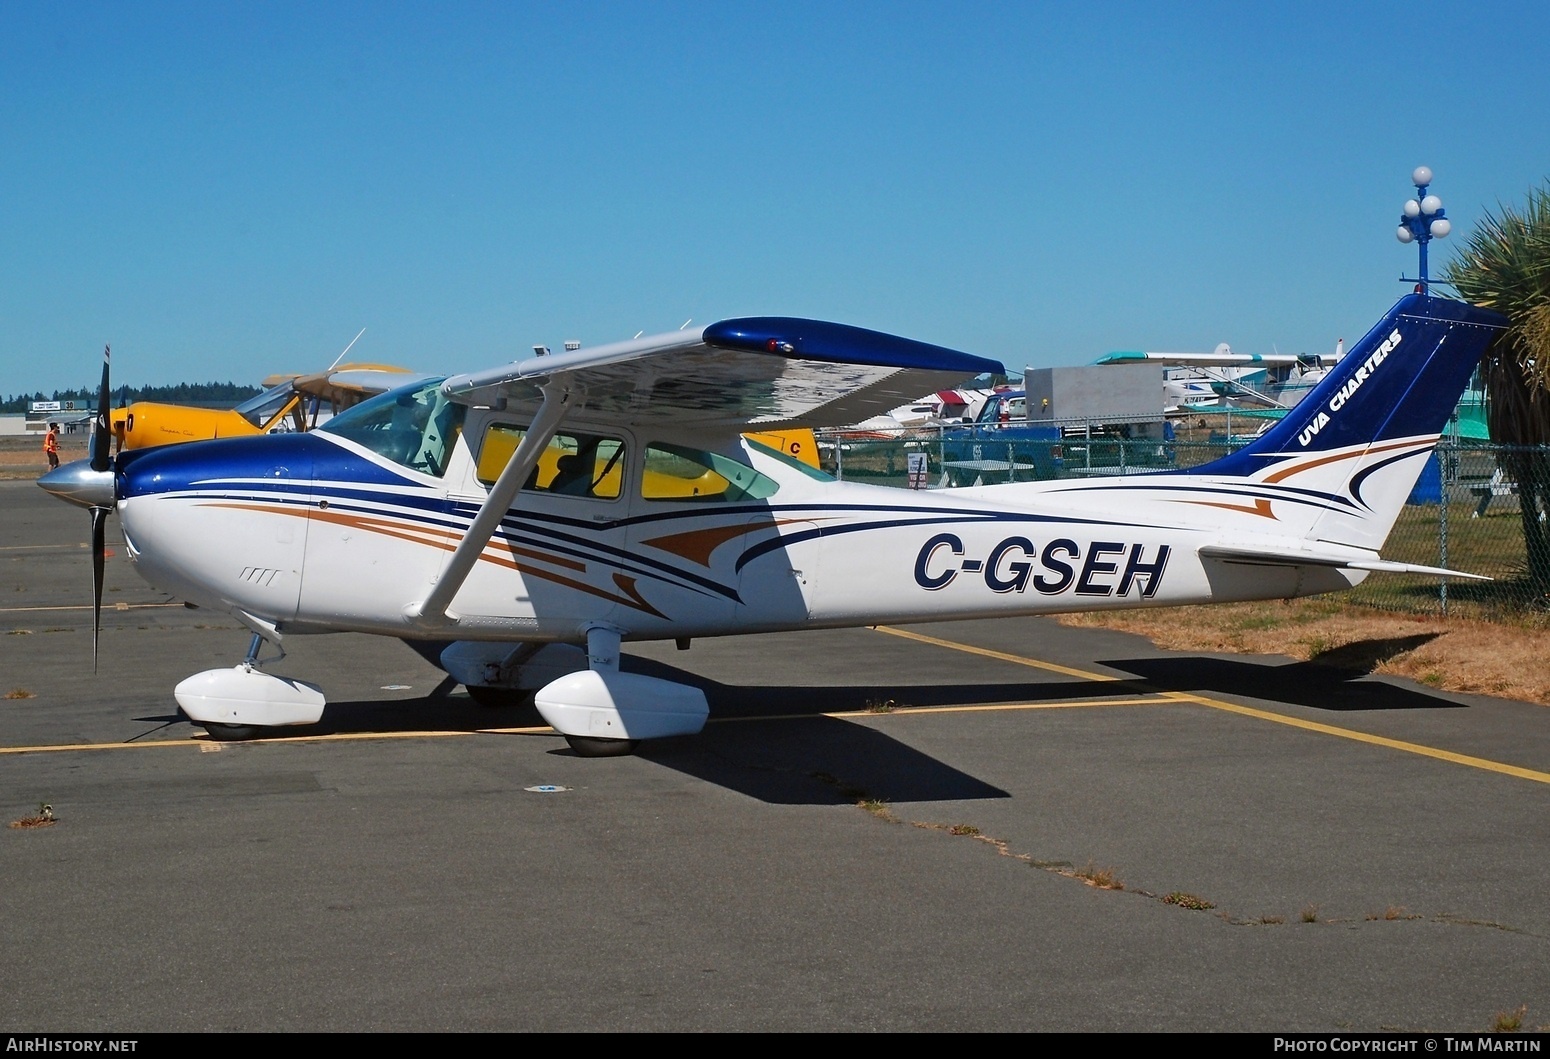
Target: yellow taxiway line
(204, 742)
(1248, 711)
(87, 606)
(985, 652)
(1156, 699)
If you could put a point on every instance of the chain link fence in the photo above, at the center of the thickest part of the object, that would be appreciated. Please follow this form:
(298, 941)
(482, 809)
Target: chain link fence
(1478, 508)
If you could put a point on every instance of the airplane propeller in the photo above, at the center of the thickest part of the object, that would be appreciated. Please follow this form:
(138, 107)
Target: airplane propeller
(101, 460)
(90, 484)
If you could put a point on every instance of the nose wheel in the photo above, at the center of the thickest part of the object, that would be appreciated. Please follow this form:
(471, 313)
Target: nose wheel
(230, 733)
(588, 746)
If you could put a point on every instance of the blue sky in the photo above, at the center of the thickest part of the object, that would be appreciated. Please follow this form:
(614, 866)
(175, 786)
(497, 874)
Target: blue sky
(225, 190)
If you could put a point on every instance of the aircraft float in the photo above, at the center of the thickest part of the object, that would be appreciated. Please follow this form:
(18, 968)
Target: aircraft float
(535, 516)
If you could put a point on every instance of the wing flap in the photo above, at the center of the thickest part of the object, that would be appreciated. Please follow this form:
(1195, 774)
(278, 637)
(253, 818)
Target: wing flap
(1201, 359)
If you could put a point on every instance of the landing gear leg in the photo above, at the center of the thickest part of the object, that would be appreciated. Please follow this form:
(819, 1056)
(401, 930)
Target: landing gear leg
(602, 657)
(239, 733)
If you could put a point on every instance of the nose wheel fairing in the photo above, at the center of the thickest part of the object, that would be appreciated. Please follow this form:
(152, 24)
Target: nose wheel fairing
(246, 698)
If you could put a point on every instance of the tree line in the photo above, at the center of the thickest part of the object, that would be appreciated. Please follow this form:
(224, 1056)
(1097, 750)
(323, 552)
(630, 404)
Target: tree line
(205, 393)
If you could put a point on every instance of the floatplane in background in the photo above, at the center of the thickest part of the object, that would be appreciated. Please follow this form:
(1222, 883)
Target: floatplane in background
(1194, 382)
(535, 516)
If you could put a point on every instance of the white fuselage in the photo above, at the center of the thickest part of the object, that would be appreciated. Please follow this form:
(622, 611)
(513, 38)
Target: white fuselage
(356, 544)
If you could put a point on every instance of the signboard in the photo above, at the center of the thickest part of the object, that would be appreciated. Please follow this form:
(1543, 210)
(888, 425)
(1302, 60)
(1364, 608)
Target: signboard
(917, 469)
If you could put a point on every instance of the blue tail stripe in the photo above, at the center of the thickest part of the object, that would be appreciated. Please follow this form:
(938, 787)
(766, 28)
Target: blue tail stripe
(1403, 379)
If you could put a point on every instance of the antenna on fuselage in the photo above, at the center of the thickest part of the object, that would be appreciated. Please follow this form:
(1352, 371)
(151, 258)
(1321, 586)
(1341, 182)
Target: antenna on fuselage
(340, 357)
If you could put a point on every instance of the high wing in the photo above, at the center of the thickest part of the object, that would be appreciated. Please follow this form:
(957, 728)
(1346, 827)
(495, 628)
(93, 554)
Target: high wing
(348, 384)
(768, 371)
(1211, 360)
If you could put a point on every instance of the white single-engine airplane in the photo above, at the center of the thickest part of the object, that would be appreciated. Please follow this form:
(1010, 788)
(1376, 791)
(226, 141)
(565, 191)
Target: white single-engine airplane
(535, 515)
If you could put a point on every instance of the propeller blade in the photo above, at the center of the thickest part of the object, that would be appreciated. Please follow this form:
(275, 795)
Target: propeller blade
(101, 457)
(99, 518)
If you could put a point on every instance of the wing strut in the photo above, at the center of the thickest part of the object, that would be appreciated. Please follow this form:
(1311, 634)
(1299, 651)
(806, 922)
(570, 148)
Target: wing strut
(558, 399)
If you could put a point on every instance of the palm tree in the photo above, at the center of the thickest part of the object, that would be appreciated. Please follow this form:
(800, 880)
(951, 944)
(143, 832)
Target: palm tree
(1506, 266)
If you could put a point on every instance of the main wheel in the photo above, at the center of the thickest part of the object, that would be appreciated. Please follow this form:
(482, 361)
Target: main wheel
(500, 697)
(230, 733)
(590, 746)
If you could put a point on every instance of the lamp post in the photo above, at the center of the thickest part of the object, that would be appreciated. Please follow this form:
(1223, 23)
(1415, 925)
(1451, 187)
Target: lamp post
(1423, 220)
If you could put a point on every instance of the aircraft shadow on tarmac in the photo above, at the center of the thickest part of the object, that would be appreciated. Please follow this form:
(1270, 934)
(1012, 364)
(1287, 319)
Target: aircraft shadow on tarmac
(752, 747)
(1329, 681)
(820, 761)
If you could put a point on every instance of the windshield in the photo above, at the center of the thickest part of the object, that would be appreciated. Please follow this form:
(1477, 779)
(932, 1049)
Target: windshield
(1004, 406)
(415, 426)
(261, 408)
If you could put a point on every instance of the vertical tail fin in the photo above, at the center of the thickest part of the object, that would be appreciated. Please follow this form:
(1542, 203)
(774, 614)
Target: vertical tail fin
(1353, 448)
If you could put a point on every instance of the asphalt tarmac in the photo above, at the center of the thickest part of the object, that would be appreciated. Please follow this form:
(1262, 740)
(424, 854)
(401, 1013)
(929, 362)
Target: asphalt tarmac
(879, 830)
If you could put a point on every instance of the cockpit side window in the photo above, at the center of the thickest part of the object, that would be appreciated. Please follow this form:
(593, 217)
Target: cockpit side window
(416, 427)
(673, 472)
(585, 465)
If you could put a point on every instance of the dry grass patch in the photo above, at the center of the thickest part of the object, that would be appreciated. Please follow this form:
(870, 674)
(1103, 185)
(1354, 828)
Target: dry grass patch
(1509, 1021)
(878, 808)
(1184, 900)
(1102, 878)
(21, 455)
(1453, 655)
(1393, 912)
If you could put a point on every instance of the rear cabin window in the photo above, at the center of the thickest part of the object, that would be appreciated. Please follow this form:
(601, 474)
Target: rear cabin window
(585, 465)
(673, 472)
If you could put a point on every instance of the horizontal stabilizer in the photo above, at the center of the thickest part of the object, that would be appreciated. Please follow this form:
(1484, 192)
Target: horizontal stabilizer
(1263, 555)
(1411, 568)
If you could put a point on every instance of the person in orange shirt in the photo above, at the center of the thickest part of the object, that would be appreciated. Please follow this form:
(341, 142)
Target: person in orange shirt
(51, 445)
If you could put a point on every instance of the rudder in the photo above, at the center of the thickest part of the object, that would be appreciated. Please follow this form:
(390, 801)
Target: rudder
(1360, 439)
